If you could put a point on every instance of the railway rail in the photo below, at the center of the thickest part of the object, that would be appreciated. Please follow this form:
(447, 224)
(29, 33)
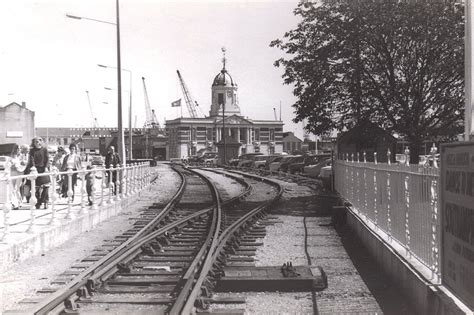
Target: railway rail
(171, 259)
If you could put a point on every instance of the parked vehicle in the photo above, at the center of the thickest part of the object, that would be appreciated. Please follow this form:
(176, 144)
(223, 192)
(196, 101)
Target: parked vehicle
(244, 159)
(176, 161)
(313, 170)
(209, 159)
(275, 165)
(3, 162)
(326, 174)
(260, 161)
(248, 159)
(97, 160)
(286, 162)
(274, 158)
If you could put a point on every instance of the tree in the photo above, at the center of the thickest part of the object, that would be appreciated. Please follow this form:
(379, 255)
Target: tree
(399, 64)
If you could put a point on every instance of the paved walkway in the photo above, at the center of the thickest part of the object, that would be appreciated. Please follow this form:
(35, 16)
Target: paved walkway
(30, 231)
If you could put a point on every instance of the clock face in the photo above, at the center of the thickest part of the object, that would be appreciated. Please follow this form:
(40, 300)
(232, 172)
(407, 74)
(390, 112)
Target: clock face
(229, 93)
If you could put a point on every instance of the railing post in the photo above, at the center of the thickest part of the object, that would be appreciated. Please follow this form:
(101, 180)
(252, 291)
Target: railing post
(135, 178)
(93, 189)
(407, 216)
(376, 207)
(352, 157)
(389, 218)
(433, 151)
(389, 155)
(357, 156)
(375, 157)
(7, 206)
(103, 186)
(111, 186)
(54, 198)
(365, 157)
(125, 181)
(83, 192)
(70, 194)
(407, 156)
(118, 183)
(33, 200)
(435, 228)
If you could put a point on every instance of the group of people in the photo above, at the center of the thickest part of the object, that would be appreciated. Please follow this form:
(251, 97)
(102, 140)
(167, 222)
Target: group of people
(24, 158)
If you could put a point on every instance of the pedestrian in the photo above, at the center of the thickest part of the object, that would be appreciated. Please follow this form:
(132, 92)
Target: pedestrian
(112, 159)
(39, 158)
(58, 158)
(24, 156)
(72, 161)
(17, 167)
(90, 180)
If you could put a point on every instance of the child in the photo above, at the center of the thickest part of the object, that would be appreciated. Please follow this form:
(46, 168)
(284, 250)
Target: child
(90, 180)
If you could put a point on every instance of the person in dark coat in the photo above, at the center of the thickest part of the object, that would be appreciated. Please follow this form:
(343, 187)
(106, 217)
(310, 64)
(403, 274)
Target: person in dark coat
(39, 158)
(112, 159)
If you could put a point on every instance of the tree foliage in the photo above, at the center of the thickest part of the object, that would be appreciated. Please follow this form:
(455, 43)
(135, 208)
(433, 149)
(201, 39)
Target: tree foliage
(399, 64)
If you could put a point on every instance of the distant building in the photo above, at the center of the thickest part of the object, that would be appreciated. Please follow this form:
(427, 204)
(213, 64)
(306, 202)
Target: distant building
(366, 138)
(187, 136)
(291, 143)
(17, 124)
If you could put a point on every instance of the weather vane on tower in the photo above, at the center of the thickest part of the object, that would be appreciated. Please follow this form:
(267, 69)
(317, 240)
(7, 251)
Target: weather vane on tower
(223, 58)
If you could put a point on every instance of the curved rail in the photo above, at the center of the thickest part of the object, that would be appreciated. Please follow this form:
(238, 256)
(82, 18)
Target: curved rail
(105, 263)
(223, 239)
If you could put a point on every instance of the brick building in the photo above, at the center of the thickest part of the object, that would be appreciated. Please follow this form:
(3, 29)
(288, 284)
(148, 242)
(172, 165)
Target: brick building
(17, 124)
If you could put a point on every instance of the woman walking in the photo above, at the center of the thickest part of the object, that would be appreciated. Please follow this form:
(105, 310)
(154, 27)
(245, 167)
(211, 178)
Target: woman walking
(71, 161)
(17, 168)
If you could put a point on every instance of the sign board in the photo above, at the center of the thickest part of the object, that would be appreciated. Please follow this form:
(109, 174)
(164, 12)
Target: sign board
(14, 134)
(457, 219)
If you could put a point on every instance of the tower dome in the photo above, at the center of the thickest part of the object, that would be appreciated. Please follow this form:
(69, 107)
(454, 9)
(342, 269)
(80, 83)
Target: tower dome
(223, 78)
(224, 94)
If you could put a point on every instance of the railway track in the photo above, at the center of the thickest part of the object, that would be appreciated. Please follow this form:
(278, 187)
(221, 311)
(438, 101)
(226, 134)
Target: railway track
(170, 258)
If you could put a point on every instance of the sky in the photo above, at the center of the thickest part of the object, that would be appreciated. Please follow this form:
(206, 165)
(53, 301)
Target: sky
(49, 61)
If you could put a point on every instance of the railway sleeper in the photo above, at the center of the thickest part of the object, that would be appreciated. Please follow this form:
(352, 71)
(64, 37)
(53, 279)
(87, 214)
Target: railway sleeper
(122, 289)
(127, 300)
(142, 281)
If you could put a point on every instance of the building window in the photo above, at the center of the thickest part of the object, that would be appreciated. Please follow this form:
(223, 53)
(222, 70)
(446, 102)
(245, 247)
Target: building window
(220, 98)
(209, 134)
(272, 134)
(257, 134)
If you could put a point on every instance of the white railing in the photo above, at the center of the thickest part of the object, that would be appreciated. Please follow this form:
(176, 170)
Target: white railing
(131, 179)
(399, 199)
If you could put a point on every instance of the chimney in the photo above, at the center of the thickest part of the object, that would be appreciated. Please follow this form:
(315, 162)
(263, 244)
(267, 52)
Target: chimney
(23, 104)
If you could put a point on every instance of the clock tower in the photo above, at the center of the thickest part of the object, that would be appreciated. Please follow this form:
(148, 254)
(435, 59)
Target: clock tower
(224, 93)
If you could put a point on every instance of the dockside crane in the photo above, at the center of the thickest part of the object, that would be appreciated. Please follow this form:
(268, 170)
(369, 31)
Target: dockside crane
(95, 124)
(151, 120)
(190, 102)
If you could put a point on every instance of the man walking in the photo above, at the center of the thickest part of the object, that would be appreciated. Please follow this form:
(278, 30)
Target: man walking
(112, 159)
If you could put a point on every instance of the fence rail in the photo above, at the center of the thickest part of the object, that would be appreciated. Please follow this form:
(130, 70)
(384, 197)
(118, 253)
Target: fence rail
(131, 179)
(401, 200)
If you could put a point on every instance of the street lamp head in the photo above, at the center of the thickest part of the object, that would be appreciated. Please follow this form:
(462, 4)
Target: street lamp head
(102, 66)
(73, 17)
(107, 88)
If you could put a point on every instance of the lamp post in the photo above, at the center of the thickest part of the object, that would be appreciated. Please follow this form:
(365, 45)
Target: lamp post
(130, 121)
(121, 142)
(130, 135)
(223, 132)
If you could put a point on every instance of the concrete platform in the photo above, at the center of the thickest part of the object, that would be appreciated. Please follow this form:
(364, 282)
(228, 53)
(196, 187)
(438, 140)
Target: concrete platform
(26, 237)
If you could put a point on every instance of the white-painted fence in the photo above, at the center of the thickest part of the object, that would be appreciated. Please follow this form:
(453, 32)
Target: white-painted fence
(399, 199)
(131, 179)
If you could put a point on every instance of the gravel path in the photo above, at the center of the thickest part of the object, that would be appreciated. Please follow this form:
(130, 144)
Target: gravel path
(25, 277)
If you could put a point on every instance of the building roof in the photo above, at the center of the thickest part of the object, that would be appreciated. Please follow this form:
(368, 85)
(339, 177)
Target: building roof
(23, 106)
(223, 78)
